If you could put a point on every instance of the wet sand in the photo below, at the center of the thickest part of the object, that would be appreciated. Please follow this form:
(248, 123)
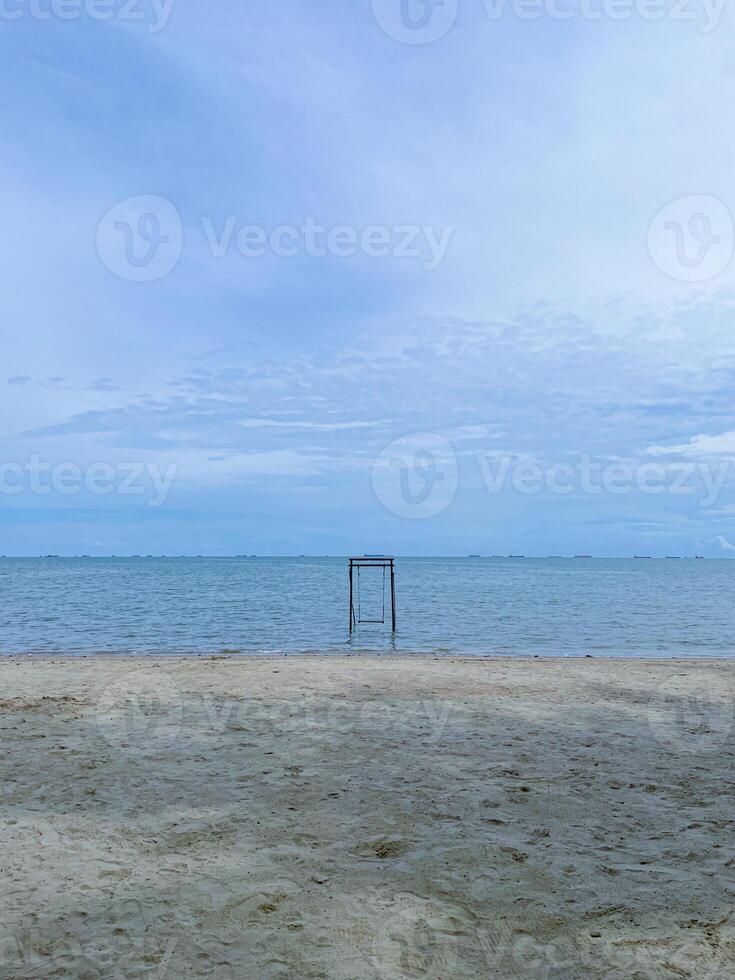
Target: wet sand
(366, 817)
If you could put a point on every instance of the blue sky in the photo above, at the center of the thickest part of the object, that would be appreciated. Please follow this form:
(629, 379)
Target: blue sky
(266, 392)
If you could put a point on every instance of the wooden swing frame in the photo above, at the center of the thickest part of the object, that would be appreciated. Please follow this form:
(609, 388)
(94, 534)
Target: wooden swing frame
(387, 564)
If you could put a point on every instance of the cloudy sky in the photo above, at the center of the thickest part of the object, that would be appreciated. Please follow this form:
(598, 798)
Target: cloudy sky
(332, 277)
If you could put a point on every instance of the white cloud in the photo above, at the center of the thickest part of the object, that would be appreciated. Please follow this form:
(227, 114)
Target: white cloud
(701, 446)
(722, 541)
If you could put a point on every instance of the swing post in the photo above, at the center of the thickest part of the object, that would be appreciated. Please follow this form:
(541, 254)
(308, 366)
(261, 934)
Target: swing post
(352, 608)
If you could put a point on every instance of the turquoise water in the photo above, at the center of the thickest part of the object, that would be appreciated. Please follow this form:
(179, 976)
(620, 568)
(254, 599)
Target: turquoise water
(476, 606)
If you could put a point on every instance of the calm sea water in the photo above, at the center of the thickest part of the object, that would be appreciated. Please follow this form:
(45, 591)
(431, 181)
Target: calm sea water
(472, 606)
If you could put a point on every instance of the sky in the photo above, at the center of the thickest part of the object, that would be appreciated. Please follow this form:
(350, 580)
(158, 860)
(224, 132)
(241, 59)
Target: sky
(377, 276)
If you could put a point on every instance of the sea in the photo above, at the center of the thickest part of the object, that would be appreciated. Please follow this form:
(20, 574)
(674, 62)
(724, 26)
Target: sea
(445, 606)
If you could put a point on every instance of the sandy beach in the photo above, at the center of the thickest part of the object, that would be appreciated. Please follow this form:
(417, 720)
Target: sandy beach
(366, 817)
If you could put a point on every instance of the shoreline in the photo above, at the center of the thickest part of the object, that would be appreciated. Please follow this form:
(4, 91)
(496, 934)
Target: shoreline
(375, 655)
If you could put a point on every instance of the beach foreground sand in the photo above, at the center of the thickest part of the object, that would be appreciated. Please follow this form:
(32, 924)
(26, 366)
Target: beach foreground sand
(366, 817)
